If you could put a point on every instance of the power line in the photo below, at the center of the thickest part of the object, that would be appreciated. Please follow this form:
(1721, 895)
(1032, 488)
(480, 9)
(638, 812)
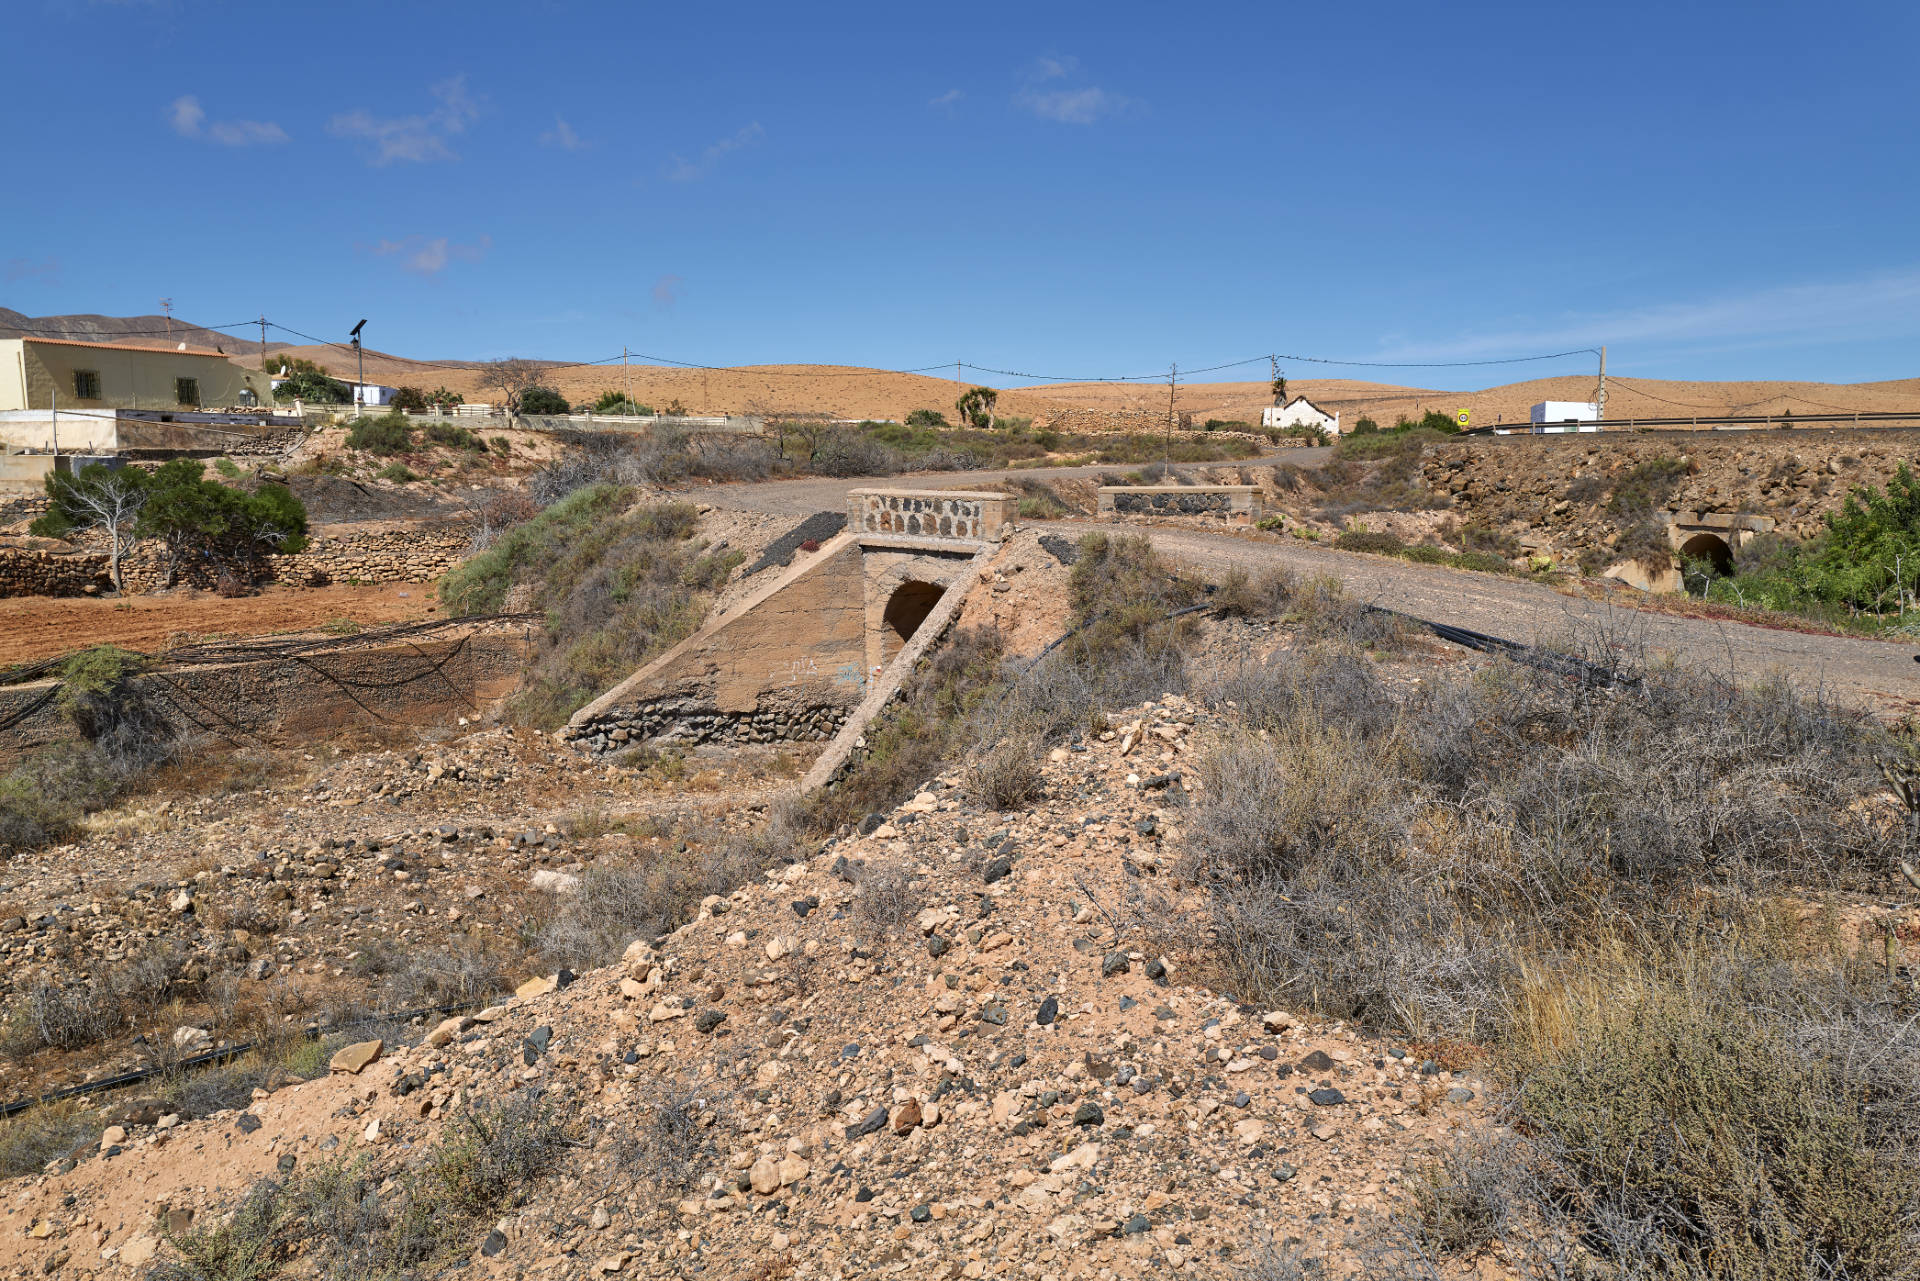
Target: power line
(1442, 364)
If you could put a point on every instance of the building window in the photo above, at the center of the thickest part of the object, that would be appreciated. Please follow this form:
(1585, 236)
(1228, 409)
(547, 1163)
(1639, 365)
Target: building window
(86, 384)
(186, 391)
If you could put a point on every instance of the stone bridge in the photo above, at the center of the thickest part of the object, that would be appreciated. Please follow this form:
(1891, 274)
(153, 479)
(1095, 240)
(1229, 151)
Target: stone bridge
(793, 661)
(1713, 536)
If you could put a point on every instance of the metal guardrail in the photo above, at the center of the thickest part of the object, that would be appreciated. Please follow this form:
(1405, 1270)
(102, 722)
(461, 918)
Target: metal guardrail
(1861, 419)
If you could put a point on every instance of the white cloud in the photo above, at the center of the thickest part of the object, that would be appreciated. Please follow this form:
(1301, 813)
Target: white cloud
(189, 120)
(684, 170)
(429, 255)
(188, 115)
(666, 290)
(1068, 104)
(245, 133)
(562, 135)
(946, 99)
(1883, 305)
(417, 139)
(46, 270)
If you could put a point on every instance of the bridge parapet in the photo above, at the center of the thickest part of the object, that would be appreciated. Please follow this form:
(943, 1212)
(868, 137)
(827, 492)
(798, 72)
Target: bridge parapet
(1235, 504)
(927, 513)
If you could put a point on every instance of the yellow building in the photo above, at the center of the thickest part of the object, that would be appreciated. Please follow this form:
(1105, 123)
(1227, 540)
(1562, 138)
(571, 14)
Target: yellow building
(45, 373)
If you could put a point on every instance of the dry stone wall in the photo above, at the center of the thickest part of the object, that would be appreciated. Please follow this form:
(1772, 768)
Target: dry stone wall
(394, 553)
(683, 718)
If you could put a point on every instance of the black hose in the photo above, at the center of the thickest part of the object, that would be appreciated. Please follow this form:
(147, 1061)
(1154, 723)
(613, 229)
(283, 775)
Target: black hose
(222, 1055)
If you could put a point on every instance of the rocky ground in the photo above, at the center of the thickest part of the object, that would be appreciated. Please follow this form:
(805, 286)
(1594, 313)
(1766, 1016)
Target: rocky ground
(334, 882)
(962, 1044)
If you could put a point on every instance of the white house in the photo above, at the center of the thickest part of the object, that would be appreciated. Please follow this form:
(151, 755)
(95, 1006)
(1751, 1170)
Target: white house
(372, 393)
(1565, 411)
(1300, 412)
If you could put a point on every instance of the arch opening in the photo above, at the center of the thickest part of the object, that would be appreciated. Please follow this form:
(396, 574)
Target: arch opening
(1710, 548)
(909, 606)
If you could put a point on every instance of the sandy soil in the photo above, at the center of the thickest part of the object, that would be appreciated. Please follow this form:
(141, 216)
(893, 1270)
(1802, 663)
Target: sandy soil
(872, 393)
(38, 627)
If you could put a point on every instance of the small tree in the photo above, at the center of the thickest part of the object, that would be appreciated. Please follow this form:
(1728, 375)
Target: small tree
(976, 407)
(927, 418)
(542, 400)
(512, 378)
(410, 399)
(199, 518)
(445, 399)
(102, 498)
(1279, 389)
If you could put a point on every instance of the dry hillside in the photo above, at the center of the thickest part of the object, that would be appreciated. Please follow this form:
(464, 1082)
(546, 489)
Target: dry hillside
(851, 392)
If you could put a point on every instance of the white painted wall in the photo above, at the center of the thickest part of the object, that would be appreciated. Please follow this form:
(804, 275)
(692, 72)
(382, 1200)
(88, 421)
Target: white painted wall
(1299, 412)
(1562, 411)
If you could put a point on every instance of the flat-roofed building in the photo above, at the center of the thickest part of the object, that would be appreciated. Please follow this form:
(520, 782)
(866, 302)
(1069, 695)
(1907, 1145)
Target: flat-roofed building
(48, 373)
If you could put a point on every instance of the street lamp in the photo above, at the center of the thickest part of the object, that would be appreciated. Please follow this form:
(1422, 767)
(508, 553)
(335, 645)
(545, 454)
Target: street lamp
(360, 366)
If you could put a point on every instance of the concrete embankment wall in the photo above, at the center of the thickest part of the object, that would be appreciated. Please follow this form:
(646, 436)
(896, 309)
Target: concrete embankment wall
(307, 695)
(788, 664)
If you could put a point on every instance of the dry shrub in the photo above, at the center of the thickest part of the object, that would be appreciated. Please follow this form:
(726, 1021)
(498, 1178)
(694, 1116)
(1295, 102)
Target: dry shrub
(1006, 776)
(664, 1148)
(1243, 595)
(1722, 1118)
(617, 903)
(884, 895)
(1465, 1199)
(1322, 610)
(50, 1132)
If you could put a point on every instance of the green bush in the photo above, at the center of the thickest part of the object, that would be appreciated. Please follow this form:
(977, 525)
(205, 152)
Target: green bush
(543, 400)
(618, 402)
(386, 435)
(1365, 540)
(410, 400)
(455, 437)
(398, 473)
(310, 386)
(927, 418)
(479, 585)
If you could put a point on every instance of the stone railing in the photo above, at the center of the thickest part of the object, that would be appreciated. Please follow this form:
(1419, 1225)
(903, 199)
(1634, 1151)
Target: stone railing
(927, 513)
(1235, 504)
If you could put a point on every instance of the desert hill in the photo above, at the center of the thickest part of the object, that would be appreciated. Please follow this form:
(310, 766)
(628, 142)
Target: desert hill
(843, 391)
(137, 331)
(854, 392)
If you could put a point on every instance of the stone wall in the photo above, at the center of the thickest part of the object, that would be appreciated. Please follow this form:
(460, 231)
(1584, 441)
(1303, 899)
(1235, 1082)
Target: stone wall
(802, 716)
(927, 513)
(391, 553)
(30, 570)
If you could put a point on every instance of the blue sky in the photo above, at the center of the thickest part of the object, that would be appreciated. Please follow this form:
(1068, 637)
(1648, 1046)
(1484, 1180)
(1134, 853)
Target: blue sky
(1725, 190)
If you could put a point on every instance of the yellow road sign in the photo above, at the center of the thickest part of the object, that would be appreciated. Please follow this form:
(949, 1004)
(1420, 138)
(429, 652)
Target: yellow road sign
(1462, 416)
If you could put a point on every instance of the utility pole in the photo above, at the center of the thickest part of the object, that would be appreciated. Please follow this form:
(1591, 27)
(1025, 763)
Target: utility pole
(263, 342)
(1273, 377)
(166, 305)
(1600, 397)
(626, 372)
(1173, 373)
(360, 367)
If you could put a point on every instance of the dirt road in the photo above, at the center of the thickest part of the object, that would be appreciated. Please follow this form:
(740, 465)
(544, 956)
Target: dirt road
(39, 626)
(1877, 672)
(1880, 673)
